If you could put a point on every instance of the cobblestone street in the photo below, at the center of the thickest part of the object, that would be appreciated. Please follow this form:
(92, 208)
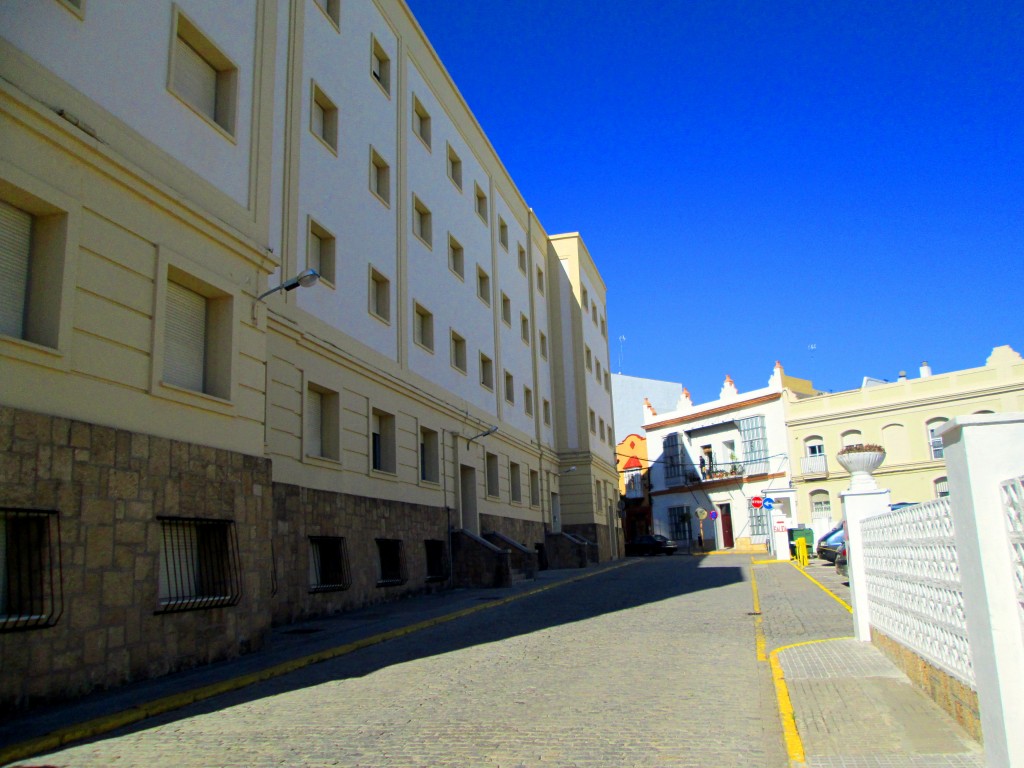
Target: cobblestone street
(649, 664)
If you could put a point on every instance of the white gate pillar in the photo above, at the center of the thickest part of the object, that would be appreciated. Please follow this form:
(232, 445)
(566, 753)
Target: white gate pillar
(981, 453)
(858, 506)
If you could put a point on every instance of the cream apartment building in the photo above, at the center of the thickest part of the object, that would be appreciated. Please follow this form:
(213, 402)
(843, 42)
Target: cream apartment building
(186, 461)
(901, 416)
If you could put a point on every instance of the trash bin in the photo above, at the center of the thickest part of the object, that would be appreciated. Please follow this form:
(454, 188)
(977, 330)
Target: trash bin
(807, 534)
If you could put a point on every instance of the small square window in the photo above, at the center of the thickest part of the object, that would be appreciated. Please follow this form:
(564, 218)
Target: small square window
(600, 429)
(543, 343)
(202, 76)
(323, 118)
(607, 382)
(593, 312)
(546, 407)
(604, 327)
(481, 204)
(522, 260)
(380, 177)
(597, 370)
(391, 563)
(380, 296)
(510, 388)
(423, 327)
(380, 66)
(454, 167)
(383, 449)
(515, 482)
(322, 435)
(486, 372)
(524, 328)
(458, 352)
(483, 286)
(422, 222)
(593, 421)
(456, 258)
(586, 299)
(198, 564)
(590, 359)
(332, 9)
(421, 121)
(328, 564)
(503, 233)
(320, 245)
(540, 281)
(491, 460)
(528, 400)
(430, 471)
(506, 309)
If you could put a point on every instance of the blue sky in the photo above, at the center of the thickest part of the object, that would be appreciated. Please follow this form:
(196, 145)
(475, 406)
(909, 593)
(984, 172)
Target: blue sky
(754, 178)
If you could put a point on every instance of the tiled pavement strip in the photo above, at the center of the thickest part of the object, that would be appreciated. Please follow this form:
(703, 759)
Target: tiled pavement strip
(851, 706)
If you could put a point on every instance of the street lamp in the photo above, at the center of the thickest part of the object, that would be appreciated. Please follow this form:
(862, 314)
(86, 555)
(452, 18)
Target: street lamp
(301, 280)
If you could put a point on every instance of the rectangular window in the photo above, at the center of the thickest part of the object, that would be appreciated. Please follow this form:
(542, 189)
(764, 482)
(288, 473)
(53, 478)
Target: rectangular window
(458, 352)
(680, 522)
(380, 66)
(522, 259)
(437, 560)
(607, 382)
(454, 167)
(604, 328)
(380, 296)
(483, 286)
(755, 444)
(492, 475)
(202, 76)
(506, 309)
(503, 233)
(593, 421)
(380, 177)
(597, 370)
(323, 119)
(391, 563)
(322, 423)
(320, 246)
(589, 359)
(528, 401)
(515, 482)
(197, 335)
(481, 204)
(547, 413)
(600, 428)
(382, 441)
(486, 371)
(198, 564)
(510, 388)
(534, 488)
(586, 299)
(328, 564)
(332, 8)
(456, 258)
(420, 121)
(30, 577)
(524, 328)
(540, 281)
(593, 312)
(422, 222)
(423, 327)
(429, 456)
(543, 342)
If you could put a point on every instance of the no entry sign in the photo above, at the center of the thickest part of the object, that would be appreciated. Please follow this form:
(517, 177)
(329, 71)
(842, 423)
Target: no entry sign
(756, 502)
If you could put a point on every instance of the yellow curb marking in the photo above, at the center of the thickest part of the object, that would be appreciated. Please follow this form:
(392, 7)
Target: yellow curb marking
(759, 639)
(827, 591)
(107, 723)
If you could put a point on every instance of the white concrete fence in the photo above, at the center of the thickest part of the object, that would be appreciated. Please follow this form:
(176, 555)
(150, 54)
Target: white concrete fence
(945, 579)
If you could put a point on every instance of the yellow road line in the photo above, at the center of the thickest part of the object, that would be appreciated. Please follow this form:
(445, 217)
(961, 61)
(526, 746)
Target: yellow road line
(107, 723)
(794, 744)
(759, 639)
(827, 591)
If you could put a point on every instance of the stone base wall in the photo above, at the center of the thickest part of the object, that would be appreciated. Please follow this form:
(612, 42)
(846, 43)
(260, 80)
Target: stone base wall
(478, 563)
(959, 700)
(529, 533)
(300, 513)
(108, 487)
(562, 552)
(597, 534)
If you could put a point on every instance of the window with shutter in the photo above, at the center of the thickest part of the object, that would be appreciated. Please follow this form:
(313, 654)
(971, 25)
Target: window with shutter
(185, 338)
(195, 79)
(15, 249)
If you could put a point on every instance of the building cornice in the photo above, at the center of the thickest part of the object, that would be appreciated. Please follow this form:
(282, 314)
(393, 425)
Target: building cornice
(712, 412)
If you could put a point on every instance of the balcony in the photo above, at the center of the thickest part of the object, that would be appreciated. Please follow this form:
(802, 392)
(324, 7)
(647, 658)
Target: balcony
(677, 475)
(814, 465)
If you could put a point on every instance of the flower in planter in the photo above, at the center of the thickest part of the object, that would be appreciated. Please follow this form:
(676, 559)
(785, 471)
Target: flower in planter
(861, 448)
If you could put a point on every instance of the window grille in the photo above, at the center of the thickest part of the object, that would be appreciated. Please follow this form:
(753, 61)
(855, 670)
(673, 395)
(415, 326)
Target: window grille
(328, 564)
(681, 523)
(391, 560)
(198, 564)
(758, 522)
(31, 592)
(755, 444)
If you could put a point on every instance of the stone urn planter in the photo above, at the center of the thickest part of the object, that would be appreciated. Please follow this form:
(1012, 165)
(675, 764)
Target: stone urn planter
(861, 461)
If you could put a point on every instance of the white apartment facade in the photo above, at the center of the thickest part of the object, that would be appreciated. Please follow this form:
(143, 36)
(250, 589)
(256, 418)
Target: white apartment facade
(158, 417)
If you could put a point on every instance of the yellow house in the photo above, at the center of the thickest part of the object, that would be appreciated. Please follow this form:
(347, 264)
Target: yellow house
(902, 417)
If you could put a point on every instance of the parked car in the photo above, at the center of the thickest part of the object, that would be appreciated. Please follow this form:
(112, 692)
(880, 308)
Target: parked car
(828, 545)
(842, 567)
(651, 545)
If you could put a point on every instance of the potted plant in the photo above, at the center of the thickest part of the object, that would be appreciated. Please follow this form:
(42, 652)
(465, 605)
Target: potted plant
(860, 461)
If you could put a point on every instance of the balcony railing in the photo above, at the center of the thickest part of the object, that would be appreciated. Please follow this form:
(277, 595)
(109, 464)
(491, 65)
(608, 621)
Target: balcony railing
(686, 475)
(814, 465)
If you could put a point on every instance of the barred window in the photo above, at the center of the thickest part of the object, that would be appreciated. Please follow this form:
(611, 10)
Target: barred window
(328, 564)
(437, 562)
(391, 560)
(30, 573)
(198, 564)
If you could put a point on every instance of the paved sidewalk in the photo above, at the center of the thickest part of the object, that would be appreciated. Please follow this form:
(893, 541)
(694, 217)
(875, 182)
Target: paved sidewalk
(852, 707)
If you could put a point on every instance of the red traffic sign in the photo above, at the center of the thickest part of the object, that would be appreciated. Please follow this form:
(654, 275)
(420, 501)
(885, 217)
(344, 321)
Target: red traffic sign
(756, 502)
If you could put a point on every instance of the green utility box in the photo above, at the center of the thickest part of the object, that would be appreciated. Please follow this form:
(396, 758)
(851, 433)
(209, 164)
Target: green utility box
(807, 534)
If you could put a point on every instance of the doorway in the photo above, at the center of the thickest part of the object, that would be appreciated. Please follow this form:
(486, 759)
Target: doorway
(556, 514)
(467, 499)
(725, 510)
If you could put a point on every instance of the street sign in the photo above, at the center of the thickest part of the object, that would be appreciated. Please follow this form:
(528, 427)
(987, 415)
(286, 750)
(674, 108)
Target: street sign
(702, 513)
(768, 503)
(756, 502)
(714, 514)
